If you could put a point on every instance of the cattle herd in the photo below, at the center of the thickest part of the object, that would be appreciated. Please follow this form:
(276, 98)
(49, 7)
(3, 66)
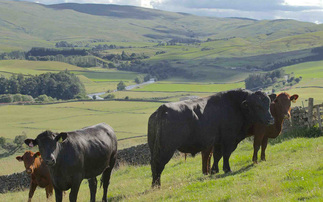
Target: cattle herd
(211, 125)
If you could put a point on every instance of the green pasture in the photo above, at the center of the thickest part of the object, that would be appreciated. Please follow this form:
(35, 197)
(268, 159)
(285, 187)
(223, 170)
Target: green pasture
(308, 70)
(26, 67)
(311, 84)
(293, 172)
(190, 87)
(127, 118)
(165, 96)
(94, 79)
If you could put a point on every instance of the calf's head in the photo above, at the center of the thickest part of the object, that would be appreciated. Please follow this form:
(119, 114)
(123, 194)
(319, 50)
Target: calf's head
(29, 158)
(48, 144)
(281, 105)
(256, 108)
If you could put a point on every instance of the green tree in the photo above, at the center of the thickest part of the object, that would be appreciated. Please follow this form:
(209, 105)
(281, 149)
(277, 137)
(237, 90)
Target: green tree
(19, 140)
(121, 86)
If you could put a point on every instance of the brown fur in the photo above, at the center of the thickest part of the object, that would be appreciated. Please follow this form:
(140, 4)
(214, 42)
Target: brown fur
(39, 173)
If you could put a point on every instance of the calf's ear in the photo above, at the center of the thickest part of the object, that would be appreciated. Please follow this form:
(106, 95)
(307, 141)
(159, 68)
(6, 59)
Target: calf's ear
(293, 98)
(272, 97)
(31, 142)
(19, 158)
(61, 137)
(37, 154)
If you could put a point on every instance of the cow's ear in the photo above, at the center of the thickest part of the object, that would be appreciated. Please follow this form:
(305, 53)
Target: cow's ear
(244, 104)
(36, 155)
(61, 137)
(31, 142)
(293, 98)
(19, 158)
(272, 97)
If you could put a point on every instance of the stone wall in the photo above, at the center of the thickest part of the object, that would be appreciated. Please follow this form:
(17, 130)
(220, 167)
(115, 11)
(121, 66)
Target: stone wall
(137, 155)
(14, 182)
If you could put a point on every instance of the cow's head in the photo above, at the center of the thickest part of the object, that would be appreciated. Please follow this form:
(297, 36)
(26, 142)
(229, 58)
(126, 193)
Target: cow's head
(29, 158)
(256, 108)
(281, 105)
(48, 144)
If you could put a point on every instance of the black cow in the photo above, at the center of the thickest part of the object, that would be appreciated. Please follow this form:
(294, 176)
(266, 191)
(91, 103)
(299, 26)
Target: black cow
(220, 120)
(77, 155)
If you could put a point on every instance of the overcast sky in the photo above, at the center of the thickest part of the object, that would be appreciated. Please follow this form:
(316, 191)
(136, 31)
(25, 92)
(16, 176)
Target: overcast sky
(302, 10)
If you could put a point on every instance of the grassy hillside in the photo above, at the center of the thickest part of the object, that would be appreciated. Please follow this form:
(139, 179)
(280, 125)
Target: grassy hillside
(292, 172)
(311, 84)
(25, 24)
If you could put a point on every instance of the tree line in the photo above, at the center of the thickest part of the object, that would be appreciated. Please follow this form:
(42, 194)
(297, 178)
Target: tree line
(62, 85)
(257, 81)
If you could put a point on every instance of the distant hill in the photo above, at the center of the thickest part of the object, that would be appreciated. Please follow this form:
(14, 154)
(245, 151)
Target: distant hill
(24, 25)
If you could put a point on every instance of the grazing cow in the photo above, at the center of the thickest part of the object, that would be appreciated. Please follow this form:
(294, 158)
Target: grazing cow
(36, 167)
(280, 110)
(221, 120)
(77, 155)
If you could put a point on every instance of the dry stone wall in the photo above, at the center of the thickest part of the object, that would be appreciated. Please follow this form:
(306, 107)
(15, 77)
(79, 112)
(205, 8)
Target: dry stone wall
(137, 155)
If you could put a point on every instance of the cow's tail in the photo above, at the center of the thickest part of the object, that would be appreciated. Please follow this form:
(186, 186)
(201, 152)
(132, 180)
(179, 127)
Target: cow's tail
(155, 130)
(155, 127)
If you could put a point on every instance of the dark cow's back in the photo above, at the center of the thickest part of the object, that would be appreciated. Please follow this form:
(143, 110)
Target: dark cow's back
(93, 143)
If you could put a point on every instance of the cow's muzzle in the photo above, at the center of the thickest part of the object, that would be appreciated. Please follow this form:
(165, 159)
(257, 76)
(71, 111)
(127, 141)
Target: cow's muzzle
(270, 121)
(50, 161)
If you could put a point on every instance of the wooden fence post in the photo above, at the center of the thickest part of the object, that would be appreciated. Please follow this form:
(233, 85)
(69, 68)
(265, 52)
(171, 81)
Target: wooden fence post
(310, 112)
(319, 116)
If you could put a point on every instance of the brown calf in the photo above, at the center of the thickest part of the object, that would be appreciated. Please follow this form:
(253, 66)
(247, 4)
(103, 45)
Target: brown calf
(280, 110)
(39, 173)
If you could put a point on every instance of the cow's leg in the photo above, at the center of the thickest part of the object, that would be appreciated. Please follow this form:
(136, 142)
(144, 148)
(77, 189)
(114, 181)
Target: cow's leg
(32, 189)
(93, 186)
(58, 195)
(227, 150)
(49, 190)
(256, 145)
(75, 187)
(158, 162)
(217, 155)
(106, 177)
(206, 160)
(263, 148)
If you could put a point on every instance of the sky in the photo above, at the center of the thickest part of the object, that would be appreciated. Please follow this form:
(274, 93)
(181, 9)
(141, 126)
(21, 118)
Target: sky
(301, 10)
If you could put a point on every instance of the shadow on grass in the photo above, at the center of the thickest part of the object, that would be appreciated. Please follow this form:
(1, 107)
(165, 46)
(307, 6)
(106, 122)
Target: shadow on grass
(123, 197)
(9, 153)
(241, 170)
(116, 198)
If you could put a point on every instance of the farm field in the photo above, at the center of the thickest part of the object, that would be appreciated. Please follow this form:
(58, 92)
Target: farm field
(293, 171)
(127, 118)
(94, 79)
(190, 87)
(311, 84)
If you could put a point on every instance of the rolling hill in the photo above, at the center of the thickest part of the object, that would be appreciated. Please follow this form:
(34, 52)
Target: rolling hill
(24, 25)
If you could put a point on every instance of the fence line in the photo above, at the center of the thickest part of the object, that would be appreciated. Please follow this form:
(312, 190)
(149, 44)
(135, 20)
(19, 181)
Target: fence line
(308, 116)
